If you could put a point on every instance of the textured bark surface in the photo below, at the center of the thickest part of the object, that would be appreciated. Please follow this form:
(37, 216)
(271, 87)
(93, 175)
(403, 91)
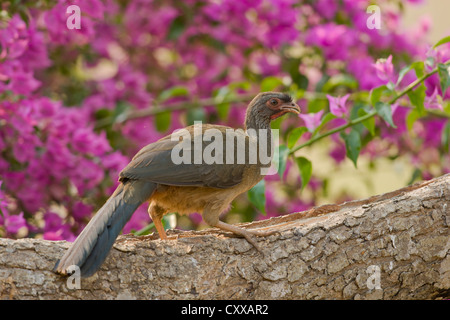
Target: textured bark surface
(393, 246)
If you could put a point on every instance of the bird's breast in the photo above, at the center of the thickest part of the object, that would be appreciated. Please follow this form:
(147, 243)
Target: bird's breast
(188, 199)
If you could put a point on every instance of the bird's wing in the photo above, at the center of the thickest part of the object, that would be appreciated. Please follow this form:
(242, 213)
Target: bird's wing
(154, 163)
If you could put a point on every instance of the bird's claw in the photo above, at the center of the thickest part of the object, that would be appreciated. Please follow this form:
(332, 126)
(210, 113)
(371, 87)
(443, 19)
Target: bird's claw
(249, 233)
(263, 233)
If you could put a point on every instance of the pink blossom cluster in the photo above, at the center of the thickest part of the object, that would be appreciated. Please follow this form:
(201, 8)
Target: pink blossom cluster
(50, 154)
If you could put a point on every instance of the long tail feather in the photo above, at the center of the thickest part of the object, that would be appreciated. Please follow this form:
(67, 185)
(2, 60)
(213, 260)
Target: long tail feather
(93, 244)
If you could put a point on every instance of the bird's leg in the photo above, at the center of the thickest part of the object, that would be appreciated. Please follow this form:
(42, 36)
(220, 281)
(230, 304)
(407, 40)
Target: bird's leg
(242, 232)
(156, 213)
(159, 227)
(212, 218)
(263, 233)
(247, 234)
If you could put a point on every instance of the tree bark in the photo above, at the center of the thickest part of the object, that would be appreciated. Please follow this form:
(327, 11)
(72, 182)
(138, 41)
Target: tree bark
(392, 246)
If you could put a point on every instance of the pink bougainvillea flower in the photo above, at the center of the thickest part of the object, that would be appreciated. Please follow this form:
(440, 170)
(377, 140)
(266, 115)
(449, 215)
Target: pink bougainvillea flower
(385, 69)
(338, 152)
(432, 132)
(335, 40)
(13, 223)
(312, 120)
(3, 203)
(326, 8)
(337, 105)
(432, 102)
(358, 68)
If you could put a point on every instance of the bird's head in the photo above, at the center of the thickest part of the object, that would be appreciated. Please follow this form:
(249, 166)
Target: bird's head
(268, 106)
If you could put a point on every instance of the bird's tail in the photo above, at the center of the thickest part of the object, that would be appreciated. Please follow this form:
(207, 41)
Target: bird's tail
(93, 244)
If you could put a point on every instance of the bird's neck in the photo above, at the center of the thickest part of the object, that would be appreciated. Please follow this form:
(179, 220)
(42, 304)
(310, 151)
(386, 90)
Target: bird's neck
(260, 129)
(256, 123)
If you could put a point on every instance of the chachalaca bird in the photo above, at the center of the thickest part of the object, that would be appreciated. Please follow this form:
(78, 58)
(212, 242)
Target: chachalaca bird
(182, 187)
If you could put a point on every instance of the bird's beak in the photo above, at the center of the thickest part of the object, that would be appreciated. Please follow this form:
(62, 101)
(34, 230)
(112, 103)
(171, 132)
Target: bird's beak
(286, 108)
(291, 107)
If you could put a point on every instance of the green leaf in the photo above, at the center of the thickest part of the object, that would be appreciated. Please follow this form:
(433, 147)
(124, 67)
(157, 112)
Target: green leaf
(340, 80)
(222, 107)
(417, 175)
(418, 66)
(316, 105)
(294, 135)
(291, 66)
(166, 221)
(24, 15)
(446, 137)
(276, 124)
(402, 73)
(270, 83)
(162, 121)
(176, 28)
(176, 91)
(429, 62)
(103, 114)
(208, 40)
(376, 94)
(385, 111)
(441, 42)
(305, 168)
(352, 145)
(444, 76)
(106, 117)
(120, 111)
(325, 119)
(283, 153)
(411, 118)
(417, 98)
(244, 85)
(257, 196)
(391, 86)
(369, 123)
(145, 230)
(195, 115)
(222, 93)
(321, 83)
(223, 110)
(296, 93)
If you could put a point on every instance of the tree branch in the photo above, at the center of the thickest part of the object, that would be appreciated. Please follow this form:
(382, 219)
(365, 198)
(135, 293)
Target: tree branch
(392, 246)
(159, 108)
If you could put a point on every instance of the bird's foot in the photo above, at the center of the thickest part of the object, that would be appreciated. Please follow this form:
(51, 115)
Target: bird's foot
(247, 234)
(260, 233)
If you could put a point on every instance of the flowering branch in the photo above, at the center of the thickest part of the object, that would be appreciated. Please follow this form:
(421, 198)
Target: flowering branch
(159, 108)
(369, 115)
(175, 106)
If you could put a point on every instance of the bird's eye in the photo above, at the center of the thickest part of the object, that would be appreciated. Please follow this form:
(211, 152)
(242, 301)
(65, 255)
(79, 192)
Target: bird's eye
(273, 102)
